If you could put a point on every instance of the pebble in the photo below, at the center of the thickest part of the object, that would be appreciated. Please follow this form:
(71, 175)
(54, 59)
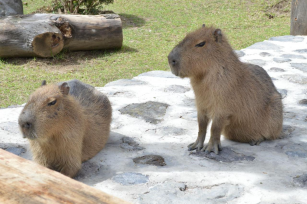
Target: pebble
(155, 160)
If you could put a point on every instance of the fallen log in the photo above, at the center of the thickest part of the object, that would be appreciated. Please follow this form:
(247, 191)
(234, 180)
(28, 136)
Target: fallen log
(45, 35)
(23, 181)
(298, 17)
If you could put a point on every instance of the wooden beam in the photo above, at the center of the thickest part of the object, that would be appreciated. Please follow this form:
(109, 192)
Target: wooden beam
(23, 181)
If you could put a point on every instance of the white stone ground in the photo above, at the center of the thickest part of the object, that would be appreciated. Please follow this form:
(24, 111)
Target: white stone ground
(273, 172)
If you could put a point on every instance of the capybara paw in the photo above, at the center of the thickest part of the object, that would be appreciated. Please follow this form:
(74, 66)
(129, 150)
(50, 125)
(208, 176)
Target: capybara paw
(71, 172)
(256, 142)
(212, 147)
(195, 145)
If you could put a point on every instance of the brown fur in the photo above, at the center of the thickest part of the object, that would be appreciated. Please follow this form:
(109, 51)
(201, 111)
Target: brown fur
(70, 131)
(239, 98)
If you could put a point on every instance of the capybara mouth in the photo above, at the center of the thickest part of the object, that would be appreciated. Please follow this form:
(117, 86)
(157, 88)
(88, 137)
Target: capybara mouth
(30, 135)
(174, 71)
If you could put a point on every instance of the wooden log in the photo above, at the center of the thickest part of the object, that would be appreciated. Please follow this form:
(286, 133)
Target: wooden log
(25, 36)
(86, 32)
(45, 35)
(298, 17)
(23, 181)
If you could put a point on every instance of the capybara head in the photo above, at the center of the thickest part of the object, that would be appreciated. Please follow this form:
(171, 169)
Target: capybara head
(44, 111)
(198, 51)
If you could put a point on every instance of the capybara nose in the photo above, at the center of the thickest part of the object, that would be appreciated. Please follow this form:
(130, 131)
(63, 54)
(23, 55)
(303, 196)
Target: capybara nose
(171, 60)
(26, 120)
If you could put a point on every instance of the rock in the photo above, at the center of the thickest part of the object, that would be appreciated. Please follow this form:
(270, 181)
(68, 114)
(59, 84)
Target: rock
(264, 46)
(163, 74)
(239, 53)
(295, 150)
(292, 56)
(283, 93)
(265, 54)
(295, 78)
(226, 155)
(281, 60)
(88, 169)
(119, 94)
(167, 131)
(258, 62)
(126, 82)
(16, 150)
(155, 160)
(11, 7)
(300, 66)
(287, 38)
(287, 130)
(177, 89)
(189, 102)
(130, 178)
(276, 69)
(150, 111)
(11, 127)
(190, 116)
(296, 154)
(301, 51)
(300, 181)
(130, 144)
(289, 115)
(171, 192)
(303, 102)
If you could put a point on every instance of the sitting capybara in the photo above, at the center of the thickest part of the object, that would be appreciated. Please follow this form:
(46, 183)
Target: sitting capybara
(66, 124)
(239, 98)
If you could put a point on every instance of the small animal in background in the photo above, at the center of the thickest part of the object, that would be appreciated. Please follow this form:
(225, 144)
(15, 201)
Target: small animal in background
(66, 124)
(239, 98)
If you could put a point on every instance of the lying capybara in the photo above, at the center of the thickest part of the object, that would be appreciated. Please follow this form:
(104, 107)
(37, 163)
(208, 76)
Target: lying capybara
(66, 124)
(239, 98)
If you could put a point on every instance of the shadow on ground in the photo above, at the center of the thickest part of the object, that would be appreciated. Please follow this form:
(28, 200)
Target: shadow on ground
(131, 21)
(69, 58)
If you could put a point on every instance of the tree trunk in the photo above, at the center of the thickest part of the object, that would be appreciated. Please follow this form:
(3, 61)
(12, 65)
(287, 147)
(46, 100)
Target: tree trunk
(298, 17)
(23, 181)
(45, 35)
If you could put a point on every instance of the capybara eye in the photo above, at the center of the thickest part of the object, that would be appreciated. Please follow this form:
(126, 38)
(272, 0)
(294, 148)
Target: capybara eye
(200, 44)
(52, 103)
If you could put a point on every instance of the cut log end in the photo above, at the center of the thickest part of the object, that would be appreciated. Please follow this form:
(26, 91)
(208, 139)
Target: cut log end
(48, 44)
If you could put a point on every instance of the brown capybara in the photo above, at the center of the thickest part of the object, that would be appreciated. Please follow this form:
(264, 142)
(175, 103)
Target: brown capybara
(66, 124)
(239, 98)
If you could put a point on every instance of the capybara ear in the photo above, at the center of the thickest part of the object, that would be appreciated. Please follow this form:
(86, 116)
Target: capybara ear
(218, 35)
(64, 88)
(44, 83)
(204, 25)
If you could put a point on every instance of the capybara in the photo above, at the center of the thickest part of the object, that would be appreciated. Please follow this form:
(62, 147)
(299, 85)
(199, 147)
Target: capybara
(239, 98)
(66, 124)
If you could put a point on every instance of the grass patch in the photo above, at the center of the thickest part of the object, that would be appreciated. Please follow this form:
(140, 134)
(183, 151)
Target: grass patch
(151, 29)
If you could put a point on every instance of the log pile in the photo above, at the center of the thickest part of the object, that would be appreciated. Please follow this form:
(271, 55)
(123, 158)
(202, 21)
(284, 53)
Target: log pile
(45, 35)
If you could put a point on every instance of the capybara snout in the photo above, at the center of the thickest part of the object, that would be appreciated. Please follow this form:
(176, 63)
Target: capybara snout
(26, 123)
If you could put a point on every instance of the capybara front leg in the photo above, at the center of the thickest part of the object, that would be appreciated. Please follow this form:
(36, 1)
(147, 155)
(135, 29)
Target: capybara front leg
(203, 121)
(214, 144)
(71, 169)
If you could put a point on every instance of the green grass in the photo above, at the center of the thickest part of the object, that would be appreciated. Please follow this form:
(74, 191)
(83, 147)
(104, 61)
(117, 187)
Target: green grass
(151, 29)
